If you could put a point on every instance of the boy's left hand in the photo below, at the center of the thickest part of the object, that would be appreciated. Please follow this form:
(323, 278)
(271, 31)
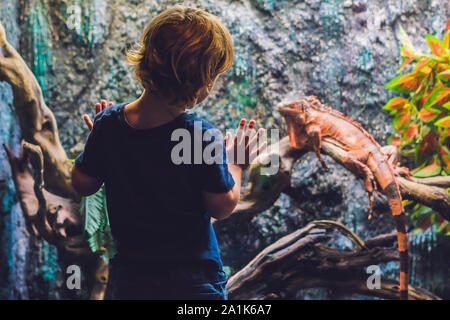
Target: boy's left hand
(99, 107)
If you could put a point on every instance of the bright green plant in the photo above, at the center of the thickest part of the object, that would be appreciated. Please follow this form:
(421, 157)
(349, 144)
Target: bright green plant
(94, 213)
(422, 117)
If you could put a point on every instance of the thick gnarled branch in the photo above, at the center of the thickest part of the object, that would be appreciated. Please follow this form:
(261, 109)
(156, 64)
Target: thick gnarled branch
(303, 259)
(54, 218)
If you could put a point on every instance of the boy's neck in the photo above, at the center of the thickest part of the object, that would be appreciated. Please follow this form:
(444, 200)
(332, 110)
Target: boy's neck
(150, 111)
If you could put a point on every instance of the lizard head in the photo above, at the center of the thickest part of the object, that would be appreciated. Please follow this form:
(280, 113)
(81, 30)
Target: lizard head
(295, 116)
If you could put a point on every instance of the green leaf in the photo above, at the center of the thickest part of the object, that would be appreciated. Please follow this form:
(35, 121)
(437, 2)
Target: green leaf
(446, 41)
(405, 83)
(422, 65)
(404, 39)
(444, 76)
(447, 105)
(429, 171)
(421, 212)
(428, 115)
(438, 95)
(395, 103)
(94, 213)
(443, 226)
(436, 45)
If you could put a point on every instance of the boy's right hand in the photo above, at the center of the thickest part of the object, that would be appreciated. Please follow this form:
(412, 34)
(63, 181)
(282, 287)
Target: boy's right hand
(99, 107)
(246, 145)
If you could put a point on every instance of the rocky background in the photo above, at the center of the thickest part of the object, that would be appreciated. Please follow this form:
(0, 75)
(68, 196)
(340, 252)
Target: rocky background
(343, 51)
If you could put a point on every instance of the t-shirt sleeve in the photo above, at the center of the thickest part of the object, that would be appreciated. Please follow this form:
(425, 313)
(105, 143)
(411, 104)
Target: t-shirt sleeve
(213, 174)
(92, 160)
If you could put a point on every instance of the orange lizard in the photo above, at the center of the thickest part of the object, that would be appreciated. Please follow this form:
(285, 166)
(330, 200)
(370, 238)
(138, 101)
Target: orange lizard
(309, 123)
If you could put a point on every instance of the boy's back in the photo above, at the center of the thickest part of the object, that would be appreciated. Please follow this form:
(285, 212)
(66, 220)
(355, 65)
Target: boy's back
(159, 208)
(155, 206)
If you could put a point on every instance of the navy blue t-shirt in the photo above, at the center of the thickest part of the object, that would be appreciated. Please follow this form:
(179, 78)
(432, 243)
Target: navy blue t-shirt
(154, 186)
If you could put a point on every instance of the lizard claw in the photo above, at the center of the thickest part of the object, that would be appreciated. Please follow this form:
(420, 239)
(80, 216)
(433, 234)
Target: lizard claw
(371, 202)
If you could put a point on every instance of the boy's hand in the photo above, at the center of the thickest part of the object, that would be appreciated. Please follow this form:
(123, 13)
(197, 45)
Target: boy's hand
(99, 107)
(245, 146)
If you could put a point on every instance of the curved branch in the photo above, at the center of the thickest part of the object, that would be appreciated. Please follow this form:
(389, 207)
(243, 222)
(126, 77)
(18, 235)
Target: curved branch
(54, 218)
(436, 198)
(304, 260)
(439, 181)
(35, 157)
(37, 122)
(343, 229)
(260, 195)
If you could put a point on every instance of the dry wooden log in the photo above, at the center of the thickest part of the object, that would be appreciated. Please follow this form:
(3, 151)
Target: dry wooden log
(439, 181)
(433, 197)
(303, 259)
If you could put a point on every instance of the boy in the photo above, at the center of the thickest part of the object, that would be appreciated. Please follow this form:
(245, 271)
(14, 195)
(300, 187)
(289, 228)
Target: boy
(159, 209)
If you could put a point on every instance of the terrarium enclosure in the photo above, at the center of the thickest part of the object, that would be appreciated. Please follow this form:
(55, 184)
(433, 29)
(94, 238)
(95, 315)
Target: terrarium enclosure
(344, 52)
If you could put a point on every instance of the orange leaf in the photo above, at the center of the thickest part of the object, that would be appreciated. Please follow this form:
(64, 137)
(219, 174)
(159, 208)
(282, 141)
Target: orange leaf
(446, 163)
(444, 122)
(439, 97)
(429, 171)
(406, 83)
(412, 131)
(428, 143)
(447, 37)
(445, 75)
(443, 151)
(428, 115)
(423, 98)
(395, 141)
(396, 103)
(420, 65)
(406, 61)
(435, 44)
(405, 116)
(424, 223)
(410, 82)
(441, 67)
(406, 52)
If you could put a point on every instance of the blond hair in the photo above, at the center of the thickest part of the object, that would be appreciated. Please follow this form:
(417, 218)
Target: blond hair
(182, 50)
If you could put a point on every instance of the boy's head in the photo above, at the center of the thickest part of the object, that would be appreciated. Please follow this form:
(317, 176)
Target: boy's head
(182, 52)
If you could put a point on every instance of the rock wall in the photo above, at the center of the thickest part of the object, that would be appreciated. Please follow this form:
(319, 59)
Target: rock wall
(343, 51)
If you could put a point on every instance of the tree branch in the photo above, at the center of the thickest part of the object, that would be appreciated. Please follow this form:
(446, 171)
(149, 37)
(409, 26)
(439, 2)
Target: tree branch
(263, 191)
(37, 122)
(436, 198)
(54, 218)
(304, 260)
(439, 181)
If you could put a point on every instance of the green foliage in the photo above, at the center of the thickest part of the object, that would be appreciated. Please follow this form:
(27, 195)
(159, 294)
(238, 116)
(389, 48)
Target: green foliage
(96, 223)
(421, 119)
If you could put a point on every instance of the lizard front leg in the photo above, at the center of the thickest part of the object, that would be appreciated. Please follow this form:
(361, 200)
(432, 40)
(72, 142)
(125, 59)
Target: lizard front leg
(356, 161)
(314, 132)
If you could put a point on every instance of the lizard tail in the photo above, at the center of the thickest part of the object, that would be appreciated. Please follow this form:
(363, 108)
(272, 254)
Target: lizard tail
(392, 192)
